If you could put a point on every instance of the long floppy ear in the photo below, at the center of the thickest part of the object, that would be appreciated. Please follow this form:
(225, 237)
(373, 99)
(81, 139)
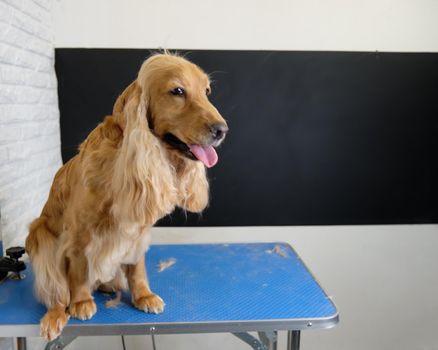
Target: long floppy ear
(143, 184)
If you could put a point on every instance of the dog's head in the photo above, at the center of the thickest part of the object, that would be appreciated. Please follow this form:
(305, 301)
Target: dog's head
(174, 95)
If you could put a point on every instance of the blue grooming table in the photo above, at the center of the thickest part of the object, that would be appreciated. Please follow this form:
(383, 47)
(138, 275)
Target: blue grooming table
(235, 288)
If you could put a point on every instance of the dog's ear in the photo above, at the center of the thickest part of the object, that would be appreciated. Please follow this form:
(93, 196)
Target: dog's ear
(123, 98)
(131, 107)
(142, 182)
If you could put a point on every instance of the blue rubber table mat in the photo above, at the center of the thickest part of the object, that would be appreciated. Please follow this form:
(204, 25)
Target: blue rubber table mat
(210, 285)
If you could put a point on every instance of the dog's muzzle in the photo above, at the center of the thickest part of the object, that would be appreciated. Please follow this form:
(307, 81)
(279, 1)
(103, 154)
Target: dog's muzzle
(177, 144)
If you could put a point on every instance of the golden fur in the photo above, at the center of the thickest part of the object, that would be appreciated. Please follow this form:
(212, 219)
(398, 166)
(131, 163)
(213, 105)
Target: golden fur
(94, 229)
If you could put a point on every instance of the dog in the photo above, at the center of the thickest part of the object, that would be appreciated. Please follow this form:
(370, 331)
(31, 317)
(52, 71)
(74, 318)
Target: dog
(134, 168)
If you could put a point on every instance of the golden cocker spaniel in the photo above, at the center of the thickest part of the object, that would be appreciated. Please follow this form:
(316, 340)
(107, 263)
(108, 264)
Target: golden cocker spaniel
(134, 168)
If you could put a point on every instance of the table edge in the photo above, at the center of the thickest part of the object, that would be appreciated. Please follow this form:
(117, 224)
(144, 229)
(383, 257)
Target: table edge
(85, 329)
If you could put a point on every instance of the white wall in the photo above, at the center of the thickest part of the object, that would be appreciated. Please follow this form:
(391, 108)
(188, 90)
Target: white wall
(29, 115)
(384, 25)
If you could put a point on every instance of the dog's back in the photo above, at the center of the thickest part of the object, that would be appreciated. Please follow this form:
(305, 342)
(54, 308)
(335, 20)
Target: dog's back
(48, 238)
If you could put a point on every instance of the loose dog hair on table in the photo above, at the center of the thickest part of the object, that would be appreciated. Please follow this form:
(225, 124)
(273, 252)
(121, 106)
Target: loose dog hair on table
(134, 168)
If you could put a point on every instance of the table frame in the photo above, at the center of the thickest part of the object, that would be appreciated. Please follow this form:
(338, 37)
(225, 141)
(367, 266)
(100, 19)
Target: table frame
(266, 341)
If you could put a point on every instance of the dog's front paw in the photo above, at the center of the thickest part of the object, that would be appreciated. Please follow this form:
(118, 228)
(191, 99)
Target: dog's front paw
(52, 324)
(150, 303)
(82, 310)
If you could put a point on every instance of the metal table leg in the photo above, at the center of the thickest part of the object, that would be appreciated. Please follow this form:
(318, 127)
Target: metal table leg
(250, 340)
(266, 341)
(59, 343)
(21, 343)
(269, 339)
(293, 340)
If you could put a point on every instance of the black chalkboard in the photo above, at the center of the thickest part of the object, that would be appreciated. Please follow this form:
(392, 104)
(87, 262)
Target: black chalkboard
(315, 137)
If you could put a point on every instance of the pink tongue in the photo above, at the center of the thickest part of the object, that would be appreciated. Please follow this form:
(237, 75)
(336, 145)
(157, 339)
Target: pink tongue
(206, 154)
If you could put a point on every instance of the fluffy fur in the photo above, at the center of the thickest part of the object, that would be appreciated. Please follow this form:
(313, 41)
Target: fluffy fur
(93, 231)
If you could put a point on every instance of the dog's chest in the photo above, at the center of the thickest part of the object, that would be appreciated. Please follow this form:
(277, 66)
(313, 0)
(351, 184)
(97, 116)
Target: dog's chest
(107, 253)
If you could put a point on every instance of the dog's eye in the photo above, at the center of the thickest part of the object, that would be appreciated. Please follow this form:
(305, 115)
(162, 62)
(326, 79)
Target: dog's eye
(178, 91)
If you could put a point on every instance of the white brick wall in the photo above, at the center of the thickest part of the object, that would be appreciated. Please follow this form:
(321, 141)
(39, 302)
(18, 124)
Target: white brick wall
(29, 115)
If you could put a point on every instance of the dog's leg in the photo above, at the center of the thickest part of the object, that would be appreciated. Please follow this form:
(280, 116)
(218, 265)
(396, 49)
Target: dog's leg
(81, 305)
(50, 280)
(142, 296)
(53, 322)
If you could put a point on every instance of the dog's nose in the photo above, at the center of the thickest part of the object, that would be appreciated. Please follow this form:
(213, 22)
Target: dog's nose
(218, 130)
